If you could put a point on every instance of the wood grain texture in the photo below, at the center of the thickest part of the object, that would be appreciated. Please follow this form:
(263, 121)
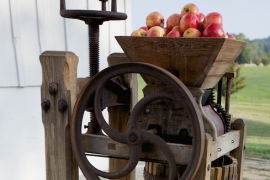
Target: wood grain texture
(60, 68)
(239, 153)
(197, 62)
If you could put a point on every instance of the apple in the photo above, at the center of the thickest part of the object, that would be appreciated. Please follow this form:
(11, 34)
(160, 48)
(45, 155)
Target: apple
(166, 30)
(173, 20)
(189, 8)
(156, 31)
(230, 36)
(138, 32)
(214, 30)
(201, 17)
(176, 28)
(192, 32)
(188, 21)
(173, 33)
(144, 28)
(213, 17)
(154, 19)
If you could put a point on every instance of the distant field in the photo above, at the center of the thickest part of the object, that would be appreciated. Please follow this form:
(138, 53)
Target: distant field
(252, 104)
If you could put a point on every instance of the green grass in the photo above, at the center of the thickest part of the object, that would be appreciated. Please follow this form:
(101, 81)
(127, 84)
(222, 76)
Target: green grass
(253, 105)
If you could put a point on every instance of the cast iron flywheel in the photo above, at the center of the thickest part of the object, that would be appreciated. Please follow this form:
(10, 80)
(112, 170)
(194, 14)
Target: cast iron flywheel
(135, 137)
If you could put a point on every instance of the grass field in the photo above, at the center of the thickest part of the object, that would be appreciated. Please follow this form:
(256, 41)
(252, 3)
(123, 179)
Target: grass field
(253, 105)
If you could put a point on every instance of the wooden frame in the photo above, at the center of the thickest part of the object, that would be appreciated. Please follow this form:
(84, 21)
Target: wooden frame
(61, 68)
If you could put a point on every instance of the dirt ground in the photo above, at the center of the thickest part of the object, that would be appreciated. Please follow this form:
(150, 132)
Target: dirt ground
(254, 169)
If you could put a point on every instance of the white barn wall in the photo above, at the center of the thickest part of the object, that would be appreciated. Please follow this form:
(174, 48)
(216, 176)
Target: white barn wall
(27, 29)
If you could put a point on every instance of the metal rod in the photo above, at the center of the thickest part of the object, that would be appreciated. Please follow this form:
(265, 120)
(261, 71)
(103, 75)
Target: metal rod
(219, 92)
(114, 6)
(62, 5)
(93, 49)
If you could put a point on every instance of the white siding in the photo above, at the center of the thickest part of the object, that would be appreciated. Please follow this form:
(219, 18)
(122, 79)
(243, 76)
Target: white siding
(28, 28)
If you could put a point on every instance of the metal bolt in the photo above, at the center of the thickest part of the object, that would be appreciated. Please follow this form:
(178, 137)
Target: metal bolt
(208, 167)
(62, 105)
(45, 104)
(134, 137)
(147, 111)
(53, 88)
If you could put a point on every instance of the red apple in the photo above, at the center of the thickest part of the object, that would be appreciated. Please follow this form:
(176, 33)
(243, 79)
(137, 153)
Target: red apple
(189, 8)
(214, 30)
(188, 21)
(213, 17)
(201, 17)
(176, 28)
(166, 30)
(144, 27)
(156, 31)
(173, 33)
(173, 20)
(230, 36)
(192, 32)
(138, 32)
(154, 19)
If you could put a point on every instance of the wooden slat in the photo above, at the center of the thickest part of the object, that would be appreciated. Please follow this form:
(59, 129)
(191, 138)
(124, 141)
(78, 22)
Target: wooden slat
(225, 173)
(225, 143)
(205, 166)
(218, 173)
(106, 146)
(239, 153)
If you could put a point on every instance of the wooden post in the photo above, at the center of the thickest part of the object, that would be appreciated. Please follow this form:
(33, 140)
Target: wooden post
(239, 153)
(204, 171)
(58, 95)
(119, 115)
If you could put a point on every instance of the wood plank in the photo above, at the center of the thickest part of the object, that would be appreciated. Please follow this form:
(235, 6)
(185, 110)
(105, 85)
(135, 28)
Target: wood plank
(225, 173)
(218, 173)
(225, 143)
(106, 146)
(119, 115)
(204, 170)
(239, 153)
(60, 68)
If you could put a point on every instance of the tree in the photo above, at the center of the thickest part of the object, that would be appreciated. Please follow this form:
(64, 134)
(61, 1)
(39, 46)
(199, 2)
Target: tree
(237, 83)
(248, 52)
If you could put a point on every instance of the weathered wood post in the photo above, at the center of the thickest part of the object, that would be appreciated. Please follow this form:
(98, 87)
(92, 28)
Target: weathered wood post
(239, 153)
(58, 96)
(119, 115)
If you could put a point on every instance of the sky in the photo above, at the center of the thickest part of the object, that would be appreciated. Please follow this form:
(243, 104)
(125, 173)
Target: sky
(250, 17)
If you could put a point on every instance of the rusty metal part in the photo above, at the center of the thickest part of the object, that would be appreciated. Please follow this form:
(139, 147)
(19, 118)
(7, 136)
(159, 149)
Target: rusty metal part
(225, 117)
(45, 104)
(93, 16)
(93, 19)
(62, 105)
(53, 88)
(135, 137)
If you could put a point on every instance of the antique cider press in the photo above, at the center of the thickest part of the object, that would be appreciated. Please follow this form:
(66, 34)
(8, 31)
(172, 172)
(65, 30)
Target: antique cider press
(170, 126)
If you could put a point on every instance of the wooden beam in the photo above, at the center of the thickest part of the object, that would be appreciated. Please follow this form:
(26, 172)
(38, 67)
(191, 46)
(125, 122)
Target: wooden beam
(104, 145)
(239, 153)
(225, 143)
(59, 68)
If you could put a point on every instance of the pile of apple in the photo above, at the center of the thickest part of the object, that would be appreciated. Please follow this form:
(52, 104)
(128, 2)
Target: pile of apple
(189, 23)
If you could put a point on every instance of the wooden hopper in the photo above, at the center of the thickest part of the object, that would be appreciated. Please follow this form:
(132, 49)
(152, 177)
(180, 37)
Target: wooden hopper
(197, 62)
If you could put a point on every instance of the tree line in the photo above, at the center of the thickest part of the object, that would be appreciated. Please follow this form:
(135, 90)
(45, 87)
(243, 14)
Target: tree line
(257, 51)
